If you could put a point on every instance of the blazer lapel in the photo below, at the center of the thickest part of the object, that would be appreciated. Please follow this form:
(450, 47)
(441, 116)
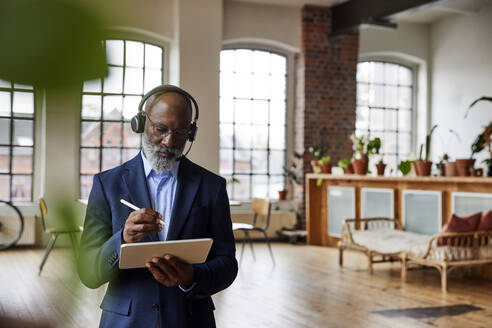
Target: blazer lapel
(188, 183)
(138, 191)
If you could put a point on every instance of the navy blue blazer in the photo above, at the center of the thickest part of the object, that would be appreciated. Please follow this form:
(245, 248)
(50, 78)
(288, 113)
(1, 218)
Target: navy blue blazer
(134, 298)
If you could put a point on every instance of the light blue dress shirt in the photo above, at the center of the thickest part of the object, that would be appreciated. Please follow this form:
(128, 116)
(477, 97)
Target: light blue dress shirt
(162, 189)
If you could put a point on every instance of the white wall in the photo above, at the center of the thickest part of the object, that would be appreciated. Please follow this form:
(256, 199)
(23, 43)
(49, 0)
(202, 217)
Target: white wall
(461, 52)
(408, 45)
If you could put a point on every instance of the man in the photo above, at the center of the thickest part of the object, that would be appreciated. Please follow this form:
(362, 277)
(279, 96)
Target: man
(191, 201)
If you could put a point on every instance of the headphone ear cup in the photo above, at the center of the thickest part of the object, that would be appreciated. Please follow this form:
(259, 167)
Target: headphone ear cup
(192, 133)
(138, 123)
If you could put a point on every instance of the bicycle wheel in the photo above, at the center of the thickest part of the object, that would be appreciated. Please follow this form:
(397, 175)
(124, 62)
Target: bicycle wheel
(11, 224)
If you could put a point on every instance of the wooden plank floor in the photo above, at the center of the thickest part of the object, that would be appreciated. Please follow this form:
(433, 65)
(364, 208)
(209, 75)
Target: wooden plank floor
(306, 288)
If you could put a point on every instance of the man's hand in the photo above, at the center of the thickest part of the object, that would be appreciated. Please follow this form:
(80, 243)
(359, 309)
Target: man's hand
(140, 224)
(171, 271)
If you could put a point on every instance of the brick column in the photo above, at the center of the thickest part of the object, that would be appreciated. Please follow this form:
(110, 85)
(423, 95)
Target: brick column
(325, 88)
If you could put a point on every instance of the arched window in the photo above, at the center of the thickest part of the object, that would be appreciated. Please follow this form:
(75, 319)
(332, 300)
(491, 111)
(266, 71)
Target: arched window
(16, 141)
(106, 138)
(385, 94)
(253, 111)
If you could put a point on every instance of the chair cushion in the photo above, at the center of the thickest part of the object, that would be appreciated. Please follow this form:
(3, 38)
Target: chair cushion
(460, 224)
(390, 241)
(238, 226)
(485, 221)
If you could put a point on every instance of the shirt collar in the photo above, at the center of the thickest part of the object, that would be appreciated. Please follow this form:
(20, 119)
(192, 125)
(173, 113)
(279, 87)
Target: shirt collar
(149, 170)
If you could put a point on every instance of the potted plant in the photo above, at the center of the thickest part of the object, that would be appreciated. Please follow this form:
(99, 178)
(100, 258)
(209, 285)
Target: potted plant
(346, 165)
(405, 167)
(423, 166)
(325, 164)
(464, 166)
(441, 166)
(380, 165)
(363, 150)
(318, 151)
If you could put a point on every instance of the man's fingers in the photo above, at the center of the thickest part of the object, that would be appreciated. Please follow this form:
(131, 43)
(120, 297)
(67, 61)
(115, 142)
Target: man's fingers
(176, 263)
(147, 227)
(159, 275)
(167, 269)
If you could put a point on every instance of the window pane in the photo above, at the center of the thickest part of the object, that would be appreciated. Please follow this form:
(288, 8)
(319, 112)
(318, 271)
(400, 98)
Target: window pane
(21, 187)
(4, 131)
(377, 119)
(362, 121)
(129, 153)
(389, 143)
(114, 51)
(112, 134)
(89, 161)
(92, 86)
(134, 80)
(390, 122)
(277, 112)
(278, 64)
(241, 189)
(85, 186)
(260, 186)
(405, 97)
(244, 61)
(404, 120)
(362, 94)
(260, 111)
(91, 107)
(23, 104)
(4, 187)
(226, 161)
(153, 56)
(91, 134)
(112, 107)
(113, 83)
(130, 106)
(277, 137)
(260, 137)
(261, 62)
(242, 136)
(134, 54)
(261, 86)
(226, 85)
(111, 157)
(376, 96)
(5, 84)
(226, 133)
(391, 74)
(153, 78)
(405, 76)
(23, 130)
(226, 109)
(277, 161)
(243, 85)
(4, 160)
(242, 160)
(22, 160)
(363, 72)
(391, 97)
(260, 161)
(278, 87)
(404, 143)
(276, 184)
(242, 111)
(4, 103)
(130, 138)
(23, 86)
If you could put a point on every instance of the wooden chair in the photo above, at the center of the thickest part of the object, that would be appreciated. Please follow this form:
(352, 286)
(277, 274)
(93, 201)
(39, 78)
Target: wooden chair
(260, 207)
(55, 232)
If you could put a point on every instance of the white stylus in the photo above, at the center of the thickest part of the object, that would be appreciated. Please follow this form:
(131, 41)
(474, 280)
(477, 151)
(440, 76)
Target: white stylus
(130, 205)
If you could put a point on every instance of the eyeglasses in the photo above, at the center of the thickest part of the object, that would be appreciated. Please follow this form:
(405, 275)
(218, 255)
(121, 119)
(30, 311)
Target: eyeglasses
(162, 131)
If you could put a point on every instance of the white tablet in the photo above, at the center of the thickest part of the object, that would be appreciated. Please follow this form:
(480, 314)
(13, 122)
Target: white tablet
(189, 250)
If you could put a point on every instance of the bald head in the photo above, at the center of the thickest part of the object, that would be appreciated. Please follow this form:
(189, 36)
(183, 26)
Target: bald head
(174, 102)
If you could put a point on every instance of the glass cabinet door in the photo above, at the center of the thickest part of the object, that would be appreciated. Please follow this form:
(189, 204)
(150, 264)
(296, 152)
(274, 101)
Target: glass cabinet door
(341, 206)
(377, 202)
(466, 203)
(422, 211)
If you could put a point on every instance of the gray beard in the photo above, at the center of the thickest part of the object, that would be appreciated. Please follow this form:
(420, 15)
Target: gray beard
(159, 164)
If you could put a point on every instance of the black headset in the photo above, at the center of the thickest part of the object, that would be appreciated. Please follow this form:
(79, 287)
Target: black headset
(138, 121)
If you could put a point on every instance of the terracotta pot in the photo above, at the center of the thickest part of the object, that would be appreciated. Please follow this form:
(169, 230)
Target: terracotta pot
(442, 169)
(477, 172)
(325, 168)
(415, 168)
(380, 168)
(361, 165)
(450, 169)
(350, 169)
(314, 165)
(464, 166)
(423, 168)
(282, 194)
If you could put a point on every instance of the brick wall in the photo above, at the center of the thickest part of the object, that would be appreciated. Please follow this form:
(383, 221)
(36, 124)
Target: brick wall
(325, 88)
